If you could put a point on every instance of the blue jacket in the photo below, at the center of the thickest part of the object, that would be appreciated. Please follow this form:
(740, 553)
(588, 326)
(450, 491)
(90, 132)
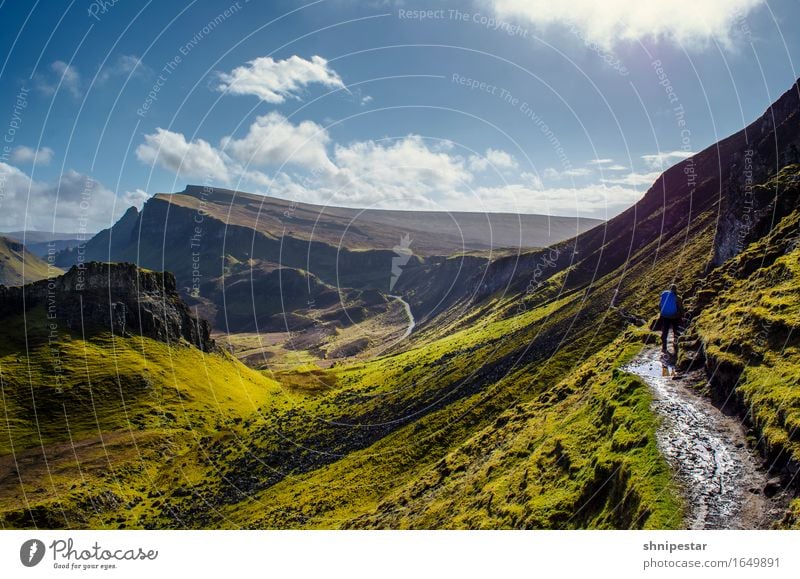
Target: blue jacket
(670, 305)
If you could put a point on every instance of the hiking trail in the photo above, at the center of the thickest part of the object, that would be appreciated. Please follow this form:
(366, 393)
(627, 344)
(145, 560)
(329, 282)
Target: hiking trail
(721, 478)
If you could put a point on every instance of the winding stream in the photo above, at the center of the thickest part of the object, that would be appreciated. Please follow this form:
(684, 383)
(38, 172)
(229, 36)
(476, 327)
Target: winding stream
(411, 322)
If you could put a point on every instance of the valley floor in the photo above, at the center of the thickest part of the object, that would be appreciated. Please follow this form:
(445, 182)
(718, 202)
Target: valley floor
(323, 345)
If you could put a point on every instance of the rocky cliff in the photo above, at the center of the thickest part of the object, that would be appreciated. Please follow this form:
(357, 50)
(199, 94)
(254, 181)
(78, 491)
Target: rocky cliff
(120, 298)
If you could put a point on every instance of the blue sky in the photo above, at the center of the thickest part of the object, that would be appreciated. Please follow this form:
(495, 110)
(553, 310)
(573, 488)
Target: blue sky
(484, 105)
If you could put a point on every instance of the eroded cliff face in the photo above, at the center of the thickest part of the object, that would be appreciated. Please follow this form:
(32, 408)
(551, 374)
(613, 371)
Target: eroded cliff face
(120, 298)
(743, 329)
(753, 156)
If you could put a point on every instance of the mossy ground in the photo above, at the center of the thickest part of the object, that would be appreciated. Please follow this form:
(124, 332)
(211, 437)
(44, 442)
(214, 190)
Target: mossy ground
(751, 329)
(514, 414)
(141, 434)
(581, 455)
(89, 426)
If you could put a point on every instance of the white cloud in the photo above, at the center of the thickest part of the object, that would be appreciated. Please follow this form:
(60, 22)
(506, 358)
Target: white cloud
(274, 140)
(362, 173)
(67, 75)
(172, 151)
(374, 172)
(600, 162)
(592, 200)
(532, 180)
(616, 168)
(137, 198)
(407, 173)
(23, 154)
(404, 173)
(493, 158)
(557, 175)
(70, 78)
(60, 206)
(634, 179)
(609, 22)
(411, 174)
(274, 81)
(663, 160)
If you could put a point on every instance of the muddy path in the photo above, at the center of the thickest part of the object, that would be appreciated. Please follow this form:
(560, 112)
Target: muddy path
(722, 479)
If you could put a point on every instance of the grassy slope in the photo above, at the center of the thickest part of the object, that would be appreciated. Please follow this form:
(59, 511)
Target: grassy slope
(464, 378)
(119, 416)
(343, 447)
(580, 455)
(408, 457)
(753, 325)
(749, 332)
(16, 260)
(511, 415)
(487, 434)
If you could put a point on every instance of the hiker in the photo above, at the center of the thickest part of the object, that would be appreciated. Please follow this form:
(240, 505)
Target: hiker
(671, 310)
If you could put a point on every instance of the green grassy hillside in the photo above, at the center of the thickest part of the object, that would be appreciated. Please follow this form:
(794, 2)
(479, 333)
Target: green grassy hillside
(371, 443)
(18, 266)
(508, 413)
(513, 415)
(579, 455)
(746, 331)
(505, 408)
(341, 447)
(90, 425)
(508, 385)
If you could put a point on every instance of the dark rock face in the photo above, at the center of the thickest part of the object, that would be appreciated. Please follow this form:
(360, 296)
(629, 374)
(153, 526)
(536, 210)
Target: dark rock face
(753, 156)
(15, 245)
(120, 298)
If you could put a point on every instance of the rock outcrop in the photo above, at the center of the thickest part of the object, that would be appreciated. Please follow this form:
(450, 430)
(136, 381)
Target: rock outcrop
(120, 298)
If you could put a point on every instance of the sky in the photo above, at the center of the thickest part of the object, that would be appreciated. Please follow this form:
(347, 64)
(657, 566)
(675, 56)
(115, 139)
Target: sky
(531, 106)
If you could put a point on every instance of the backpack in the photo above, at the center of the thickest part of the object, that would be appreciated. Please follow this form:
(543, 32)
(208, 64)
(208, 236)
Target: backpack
(669, 304)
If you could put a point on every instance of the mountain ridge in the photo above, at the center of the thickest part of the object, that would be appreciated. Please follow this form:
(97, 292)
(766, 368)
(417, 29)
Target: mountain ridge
(508, 406)
(676, 193)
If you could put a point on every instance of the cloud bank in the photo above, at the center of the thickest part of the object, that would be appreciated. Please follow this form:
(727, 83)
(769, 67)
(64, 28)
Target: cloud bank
(685, 22)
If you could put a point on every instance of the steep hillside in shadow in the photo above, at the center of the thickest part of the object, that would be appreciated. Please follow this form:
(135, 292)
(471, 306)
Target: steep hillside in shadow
(712, 189)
